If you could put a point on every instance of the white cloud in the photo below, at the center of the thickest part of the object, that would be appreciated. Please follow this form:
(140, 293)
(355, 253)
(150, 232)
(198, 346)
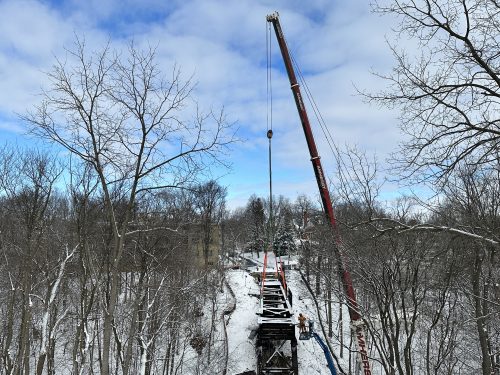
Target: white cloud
(12, 127)
(223, 44)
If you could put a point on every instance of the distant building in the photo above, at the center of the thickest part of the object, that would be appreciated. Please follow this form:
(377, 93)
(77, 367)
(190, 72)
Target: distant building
(205, 247)
(189, 243)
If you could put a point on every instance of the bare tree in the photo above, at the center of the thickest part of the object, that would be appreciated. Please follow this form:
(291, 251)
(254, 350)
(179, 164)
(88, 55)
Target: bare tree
(121, 115)
(210, 199)
(27, 187)
(449, 90)
(449, 96)
(473, 203)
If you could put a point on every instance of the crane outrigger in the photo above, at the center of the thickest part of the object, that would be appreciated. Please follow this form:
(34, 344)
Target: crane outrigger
(357, 322)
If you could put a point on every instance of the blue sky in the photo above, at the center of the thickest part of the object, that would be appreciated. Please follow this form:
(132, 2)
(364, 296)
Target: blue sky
(223, 43)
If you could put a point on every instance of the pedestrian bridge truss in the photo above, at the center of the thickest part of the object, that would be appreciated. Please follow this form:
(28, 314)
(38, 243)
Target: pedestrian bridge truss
(276, 341)
(274, 304)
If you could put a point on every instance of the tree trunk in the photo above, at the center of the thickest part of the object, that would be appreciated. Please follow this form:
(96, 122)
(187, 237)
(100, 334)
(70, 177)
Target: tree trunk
(9, 331)
(109, 312)
(23, 365)
(138, 304)
(329, 297)
(108, 323)
(41, 363)
(330, 318)
(318, 275)
(51, 370)
(341, 330)
(307, 256)
(480, 318)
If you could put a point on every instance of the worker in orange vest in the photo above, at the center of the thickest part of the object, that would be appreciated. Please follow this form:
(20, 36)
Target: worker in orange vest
(302, 323)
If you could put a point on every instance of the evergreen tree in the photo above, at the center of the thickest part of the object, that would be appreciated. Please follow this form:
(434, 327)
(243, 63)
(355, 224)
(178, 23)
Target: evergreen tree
(256, 243)
(255, 211)
(284, 243)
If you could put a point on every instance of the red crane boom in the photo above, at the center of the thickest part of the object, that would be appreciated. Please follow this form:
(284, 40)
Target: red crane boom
(356, 319)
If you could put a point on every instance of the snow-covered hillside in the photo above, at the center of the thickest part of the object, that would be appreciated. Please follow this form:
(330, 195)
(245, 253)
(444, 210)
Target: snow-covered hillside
(243, 321)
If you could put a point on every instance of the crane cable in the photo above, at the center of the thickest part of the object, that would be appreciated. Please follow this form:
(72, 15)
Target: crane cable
(319, 117)
(329, 138)
(269, 120)
(343, 173)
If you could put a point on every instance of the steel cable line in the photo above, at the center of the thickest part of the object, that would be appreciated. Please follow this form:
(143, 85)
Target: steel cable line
(269, 119)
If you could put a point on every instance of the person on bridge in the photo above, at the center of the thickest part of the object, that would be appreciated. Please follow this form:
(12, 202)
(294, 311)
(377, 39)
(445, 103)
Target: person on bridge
(302, 323)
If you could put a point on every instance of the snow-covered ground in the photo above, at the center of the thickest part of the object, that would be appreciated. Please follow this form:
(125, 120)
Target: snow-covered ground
(242, 356)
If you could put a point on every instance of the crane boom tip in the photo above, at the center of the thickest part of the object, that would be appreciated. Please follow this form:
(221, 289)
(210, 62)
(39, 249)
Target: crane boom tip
(272, 17)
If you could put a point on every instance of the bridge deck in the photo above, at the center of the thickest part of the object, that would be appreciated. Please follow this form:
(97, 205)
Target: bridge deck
(274, 305)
